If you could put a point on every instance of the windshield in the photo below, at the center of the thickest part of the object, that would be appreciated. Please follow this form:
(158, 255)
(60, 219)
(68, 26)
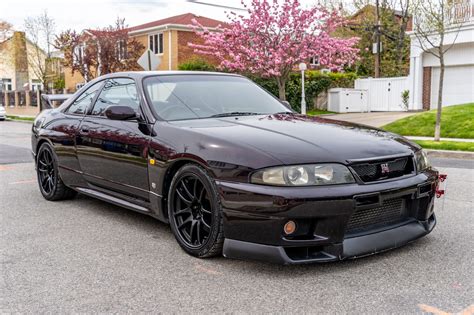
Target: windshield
(179, 97)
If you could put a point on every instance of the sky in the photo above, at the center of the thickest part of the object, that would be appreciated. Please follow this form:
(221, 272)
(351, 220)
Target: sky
(79, 15)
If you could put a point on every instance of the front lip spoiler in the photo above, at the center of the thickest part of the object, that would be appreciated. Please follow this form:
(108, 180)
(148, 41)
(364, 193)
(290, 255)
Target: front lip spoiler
(353, 247)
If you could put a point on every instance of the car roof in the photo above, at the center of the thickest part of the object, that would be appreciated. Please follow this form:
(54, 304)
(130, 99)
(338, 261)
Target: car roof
(142, 74)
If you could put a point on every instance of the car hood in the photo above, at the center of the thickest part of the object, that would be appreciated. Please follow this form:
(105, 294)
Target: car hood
(293, 139)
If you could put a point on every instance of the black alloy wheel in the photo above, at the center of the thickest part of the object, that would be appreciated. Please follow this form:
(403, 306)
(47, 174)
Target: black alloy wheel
(47, 176)
(50, 183)
(195, 212)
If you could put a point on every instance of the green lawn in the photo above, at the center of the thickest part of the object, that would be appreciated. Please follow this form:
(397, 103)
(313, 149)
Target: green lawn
(316, 112)
(12, 117)
(446, 145)
(456, 122)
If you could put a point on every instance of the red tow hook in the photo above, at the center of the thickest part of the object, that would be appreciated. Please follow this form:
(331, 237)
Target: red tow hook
(441, 180)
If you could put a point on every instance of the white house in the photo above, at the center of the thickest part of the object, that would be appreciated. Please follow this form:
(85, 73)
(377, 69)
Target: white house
(458, 85)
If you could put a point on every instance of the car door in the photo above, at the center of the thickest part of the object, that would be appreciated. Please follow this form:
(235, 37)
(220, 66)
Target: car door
(65, 128)
(113, 154)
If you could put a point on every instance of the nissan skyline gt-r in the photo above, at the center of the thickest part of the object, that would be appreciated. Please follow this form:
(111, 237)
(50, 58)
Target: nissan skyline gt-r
(233, 170)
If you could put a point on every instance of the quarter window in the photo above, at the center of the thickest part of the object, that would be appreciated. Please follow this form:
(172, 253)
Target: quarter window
(83, 102)
(119, 91)
(155, 43)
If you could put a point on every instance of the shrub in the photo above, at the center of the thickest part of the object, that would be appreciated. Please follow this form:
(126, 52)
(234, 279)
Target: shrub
(59, 83)
(405, 99)
(196, 64)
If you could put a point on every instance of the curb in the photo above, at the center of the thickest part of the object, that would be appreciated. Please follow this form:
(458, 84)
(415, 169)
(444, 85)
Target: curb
(442, 139)
(20, 120)
(450, 154)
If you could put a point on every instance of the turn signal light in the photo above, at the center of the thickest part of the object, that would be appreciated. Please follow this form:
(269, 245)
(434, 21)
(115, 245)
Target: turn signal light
(290, 227)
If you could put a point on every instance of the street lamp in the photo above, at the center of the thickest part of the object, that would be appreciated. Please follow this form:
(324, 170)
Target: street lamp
(302, 67)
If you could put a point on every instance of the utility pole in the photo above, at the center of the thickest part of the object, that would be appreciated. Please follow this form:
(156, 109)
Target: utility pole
(377, 40)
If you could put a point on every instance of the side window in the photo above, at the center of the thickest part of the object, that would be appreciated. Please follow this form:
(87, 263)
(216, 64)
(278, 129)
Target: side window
(83, 102)
(116, 92)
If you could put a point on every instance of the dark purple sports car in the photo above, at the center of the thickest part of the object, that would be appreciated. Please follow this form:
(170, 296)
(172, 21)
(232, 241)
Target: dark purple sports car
(233, 170)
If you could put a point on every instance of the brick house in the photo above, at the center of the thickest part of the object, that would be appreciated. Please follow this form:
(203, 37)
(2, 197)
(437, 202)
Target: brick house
(15, 70)
(168, 38)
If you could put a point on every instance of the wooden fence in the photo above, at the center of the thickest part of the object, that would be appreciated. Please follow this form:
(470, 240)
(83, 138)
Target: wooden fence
(22, 103)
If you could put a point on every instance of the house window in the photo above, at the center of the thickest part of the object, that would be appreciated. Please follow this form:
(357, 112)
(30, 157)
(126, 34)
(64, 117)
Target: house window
(314, 61)
(7, 84)
(36, 85)
(155, 43)
(78, 53)
(121, 49)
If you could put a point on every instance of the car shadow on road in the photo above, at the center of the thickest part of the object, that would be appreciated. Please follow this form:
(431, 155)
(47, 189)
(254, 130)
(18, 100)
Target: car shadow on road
(121, 215)
(216, 266)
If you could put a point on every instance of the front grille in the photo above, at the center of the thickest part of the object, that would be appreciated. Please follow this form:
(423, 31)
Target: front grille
(384, 169)
(391, 211)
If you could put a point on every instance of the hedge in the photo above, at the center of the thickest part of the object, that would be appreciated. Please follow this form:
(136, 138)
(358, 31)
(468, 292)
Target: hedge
(315, 83)
(196, 64)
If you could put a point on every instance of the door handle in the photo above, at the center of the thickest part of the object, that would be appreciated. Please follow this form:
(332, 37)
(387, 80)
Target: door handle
(85, 129)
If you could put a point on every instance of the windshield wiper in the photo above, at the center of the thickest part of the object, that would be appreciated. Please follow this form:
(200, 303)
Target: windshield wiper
(283, 113)
(235, 114)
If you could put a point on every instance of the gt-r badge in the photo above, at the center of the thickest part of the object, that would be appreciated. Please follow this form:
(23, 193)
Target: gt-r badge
(384, 168)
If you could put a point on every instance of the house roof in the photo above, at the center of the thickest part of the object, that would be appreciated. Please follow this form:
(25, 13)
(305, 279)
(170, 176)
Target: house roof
(370, 7)
(183, 19)
(6, 35)
(101, 32)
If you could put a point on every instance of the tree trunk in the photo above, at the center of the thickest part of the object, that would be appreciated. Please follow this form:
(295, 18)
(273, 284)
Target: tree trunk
(440, 100)
(99, 60)
(281, 88)
(400, 48)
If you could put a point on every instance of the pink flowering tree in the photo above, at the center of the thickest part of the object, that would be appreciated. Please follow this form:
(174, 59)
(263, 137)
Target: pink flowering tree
(274, 37)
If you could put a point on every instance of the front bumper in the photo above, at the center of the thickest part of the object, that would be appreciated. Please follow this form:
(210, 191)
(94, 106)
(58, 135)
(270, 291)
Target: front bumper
(254, 217)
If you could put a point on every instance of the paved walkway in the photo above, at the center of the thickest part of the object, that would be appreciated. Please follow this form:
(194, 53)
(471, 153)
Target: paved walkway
(375, 119)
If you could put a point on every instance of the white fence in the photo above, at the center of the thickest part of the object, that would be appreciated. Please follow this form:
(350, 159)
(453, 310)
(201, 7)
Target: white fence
(384, 94)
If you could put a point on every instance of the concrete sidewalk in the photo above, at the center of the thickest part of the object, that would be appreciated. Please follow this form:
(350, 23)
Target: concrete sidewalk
(375, 119)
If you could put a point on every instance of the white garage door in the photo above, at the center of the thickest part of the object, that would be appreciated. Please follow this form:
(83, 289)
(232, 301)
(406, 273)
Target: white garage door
(458, 85)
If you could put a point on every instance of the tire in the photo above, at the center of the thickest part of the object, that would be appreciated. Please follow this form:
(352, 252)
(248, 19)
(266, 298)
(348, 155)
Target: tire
(204, 212)
(49, 181)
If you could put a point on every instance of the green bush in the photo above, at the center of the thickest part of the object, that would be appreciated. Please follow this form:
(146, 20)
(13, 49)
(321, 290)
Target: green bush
(315, 83)
(196, 64)
(59, 83)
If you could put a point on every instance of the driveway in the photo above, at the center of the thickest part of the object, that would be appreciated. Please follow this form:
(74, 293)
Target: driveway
(87, 256)
(375, 119)
(15, 142)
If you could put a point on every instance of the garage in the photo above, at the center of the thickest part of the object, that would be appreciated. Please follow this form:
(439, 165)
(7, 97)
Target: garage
(458, 85)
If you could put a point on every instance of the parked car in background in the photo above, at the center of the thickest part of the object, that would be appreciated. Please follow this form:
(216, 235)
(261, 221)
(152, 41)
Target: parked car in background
(233, 170)
(3, 113)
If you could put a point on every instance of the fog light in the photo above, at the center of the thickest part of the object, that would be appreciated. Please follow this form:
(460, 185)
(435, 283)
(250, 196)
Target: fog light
(290, 227)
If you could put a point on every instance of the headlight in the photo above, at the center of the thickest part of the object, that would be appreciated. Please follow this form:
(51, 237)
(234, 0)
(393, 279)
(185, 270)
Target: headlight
(303, 175)
(422, 161)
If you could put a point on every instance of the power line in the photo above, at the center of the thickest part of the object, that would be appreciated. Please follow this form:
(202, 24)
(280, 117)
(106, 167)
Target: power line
(216, 5)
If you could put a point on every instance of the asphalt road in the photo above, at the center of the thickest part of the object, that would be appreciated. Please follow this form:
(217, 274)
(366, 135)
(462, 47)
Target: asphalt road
(85, 255)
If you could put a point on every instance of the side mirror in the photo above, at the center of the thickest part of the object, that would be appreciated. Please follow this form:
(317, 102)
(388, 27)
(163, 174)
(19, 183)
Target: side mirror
(120, 112)
(286, 103)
